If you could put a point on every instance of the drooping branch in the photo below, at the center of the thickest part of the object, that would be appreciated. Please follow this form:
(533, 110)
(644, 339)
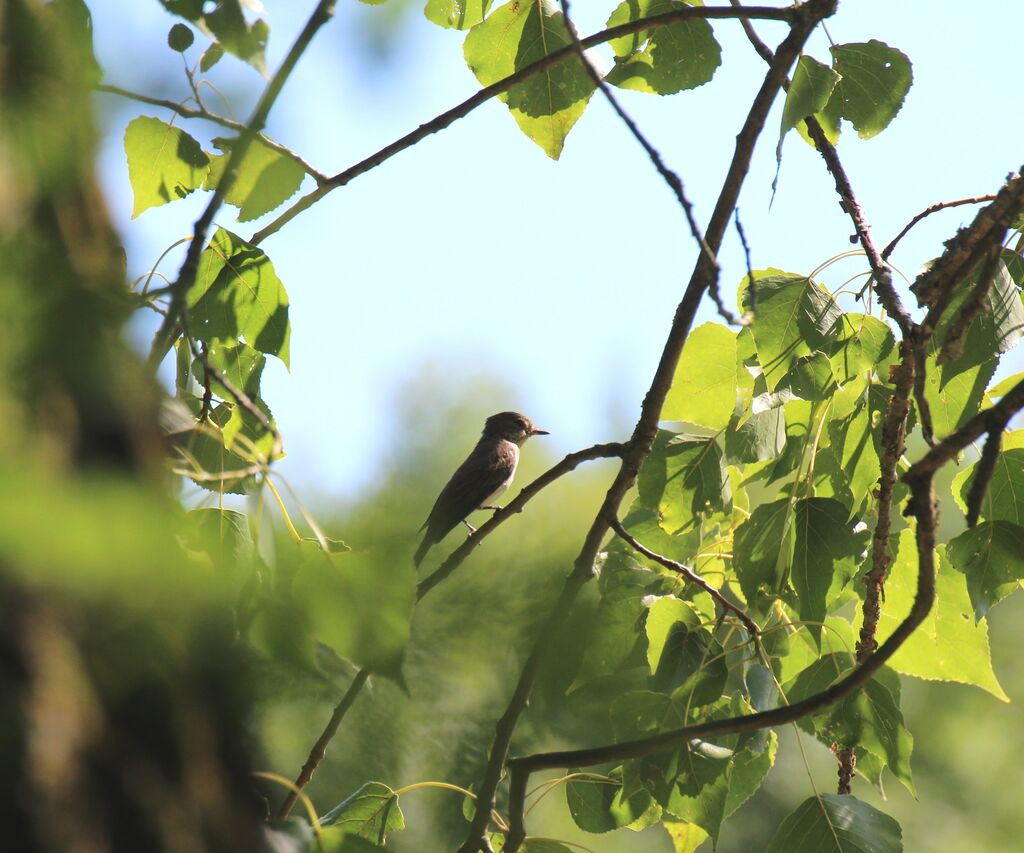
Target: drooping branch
(805, 18)
(440, 122)
(453, 561)
(690, 575)
(223, 121)
(187, 274)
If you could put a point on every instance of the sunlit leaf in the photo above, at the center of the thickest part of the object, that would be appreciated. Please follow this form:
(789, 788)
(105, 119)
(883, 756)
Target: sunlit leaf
(266, 179)
(875, 79)
(808, 93)
(948, 645)
(667, 59)
(704, 387)
(164, 163)
(456, 14)
(516, 35)
(237, 294)
(371, 813)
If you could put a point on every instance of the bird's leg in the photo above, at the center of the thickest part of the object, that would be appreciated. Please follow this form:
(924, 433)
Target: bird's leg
(472, 529)
(494, 508)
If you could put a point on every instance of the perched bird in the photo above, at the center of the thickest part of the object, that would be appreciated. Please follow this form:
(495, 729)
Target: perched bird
(485, 474)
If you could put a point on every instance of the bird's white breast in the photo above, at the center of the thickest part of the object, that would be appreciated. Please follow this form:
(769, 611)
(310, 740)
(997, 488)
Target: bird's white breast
(514, 450)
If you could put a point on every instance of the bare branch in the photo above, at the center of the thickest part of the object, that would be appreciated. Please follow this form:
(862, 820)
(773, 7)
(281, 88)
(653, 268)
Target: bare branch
(690, 575)
(928, 211)
(440, 122)
(187, 274)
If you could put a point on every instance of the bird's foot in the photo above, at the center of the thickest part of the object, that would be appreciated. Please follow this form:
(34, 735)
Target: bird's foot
(472, 529)
(493, 508)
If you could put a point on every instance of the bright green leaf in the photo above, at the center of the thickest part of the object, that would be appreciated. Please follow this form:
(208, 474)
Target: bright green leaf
(686, 837)
(516, 35)
(665, 60)
(808, 93)
(854, 440)
(861, 345)
(948, 645)
(763, 548)
(266, 179)
(456, 14)
(704, 387)
(991, 555)
(237, 294)
(792, 319)
(839, 824)
(164, 163)
(371, 813)
(954, 396)
(685, 479)
(241, 365)
(875, 81)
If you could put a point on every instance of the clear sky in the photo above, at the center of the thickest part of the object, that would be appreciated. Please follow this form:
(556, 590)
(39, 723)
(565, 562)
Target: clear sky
(474, 255)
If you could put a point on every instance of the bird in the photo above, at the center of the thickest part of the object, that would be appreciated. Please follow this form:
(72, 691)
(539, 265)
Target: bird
(486, 473)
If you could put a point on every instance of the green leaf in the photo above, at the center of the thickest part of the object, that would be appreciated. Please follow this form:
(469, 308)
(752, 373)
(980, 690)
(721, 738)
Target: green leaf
(691, 665)
(211, 56)
(516, 35)
(684, 479)
(686, 837)
(164, 163)
(954, 395)
(224, 21)
(213, 447)
(760, 437)
(839, 823)
(370, 813)
(662, 615)
(180, 38)
(704, 387)
(875, 81)
(948, 645)
(266, 179)
(456, 14)
(855, 442)
(222, 533)
(808, 93)
(793, 317)
(861, 345)
(997, 329)
(826, 555)
(241, 365)
(810, 378)
(358, 603)
(991, 555)
(237, 294)
(763, 548)
(598, 804)
(665, 60)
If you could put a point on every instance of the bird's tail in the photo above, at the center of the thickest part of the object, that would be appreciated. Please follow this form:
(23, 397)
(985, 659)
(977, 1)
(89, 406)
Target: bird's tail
(421, 552)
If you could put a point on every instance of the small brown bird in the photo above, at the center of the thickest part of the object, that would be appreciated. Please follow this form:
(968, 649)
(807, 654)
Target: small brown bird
(485, 474)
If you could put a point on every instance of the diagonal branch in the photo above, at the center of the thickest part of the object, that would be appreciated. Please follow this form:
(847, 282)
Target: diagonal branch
(454, 560)
(187, 274)
(440, 122)
(690, 575)
(805, 19)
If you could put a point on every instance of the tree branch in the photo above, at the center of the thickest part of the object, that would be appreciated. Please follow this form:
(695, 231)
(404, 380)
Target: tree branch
(928, 211)
(223, 121)
(454, 560)
(690, 575)
(805, 18)
(440, 122)
(187, 274)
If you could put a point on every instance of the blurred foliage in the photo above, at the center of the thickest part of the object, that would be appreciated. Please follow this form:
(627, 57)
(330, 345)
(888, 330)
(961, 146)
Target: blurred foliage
(153, 656)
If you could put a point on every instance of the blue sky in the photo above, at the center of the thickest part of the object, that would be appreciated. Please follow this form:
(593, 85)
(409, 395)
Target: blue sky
(474, 255)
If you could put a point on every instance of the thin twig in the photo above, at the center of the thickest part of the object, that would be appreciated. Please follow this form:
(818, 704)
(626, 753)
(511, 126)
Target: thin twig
(187, 274)
(223, 121)
(751, 283)
(928, 211)
(457, 557)
(440, 122)
(670, 177)
(690, 575)
(805, 18)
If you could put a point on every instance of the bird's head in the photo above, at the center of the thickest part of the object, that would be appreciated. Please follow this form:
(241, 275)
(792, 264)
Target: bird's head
(511, 426)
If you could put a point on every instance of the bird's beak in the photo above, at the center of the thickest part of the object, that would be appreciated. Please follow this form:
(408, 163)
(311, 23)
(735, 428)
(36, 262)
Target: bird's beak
(536, 431)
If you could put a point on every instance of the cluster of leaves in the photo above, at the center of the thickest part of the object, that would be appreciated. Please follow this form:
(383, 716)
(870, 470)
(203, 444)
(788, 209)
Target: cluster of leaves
(766, 487)
(767, 490)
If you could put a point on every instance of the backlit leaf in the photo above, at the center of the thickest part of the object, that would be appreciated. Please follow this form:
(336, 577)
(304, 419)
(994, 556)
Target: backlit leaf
(839, 824)
(164, 163)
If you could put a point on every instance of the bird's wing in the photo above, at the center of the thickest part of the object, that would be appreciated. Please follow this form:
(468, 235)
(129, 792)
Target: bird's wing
(475, 480)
